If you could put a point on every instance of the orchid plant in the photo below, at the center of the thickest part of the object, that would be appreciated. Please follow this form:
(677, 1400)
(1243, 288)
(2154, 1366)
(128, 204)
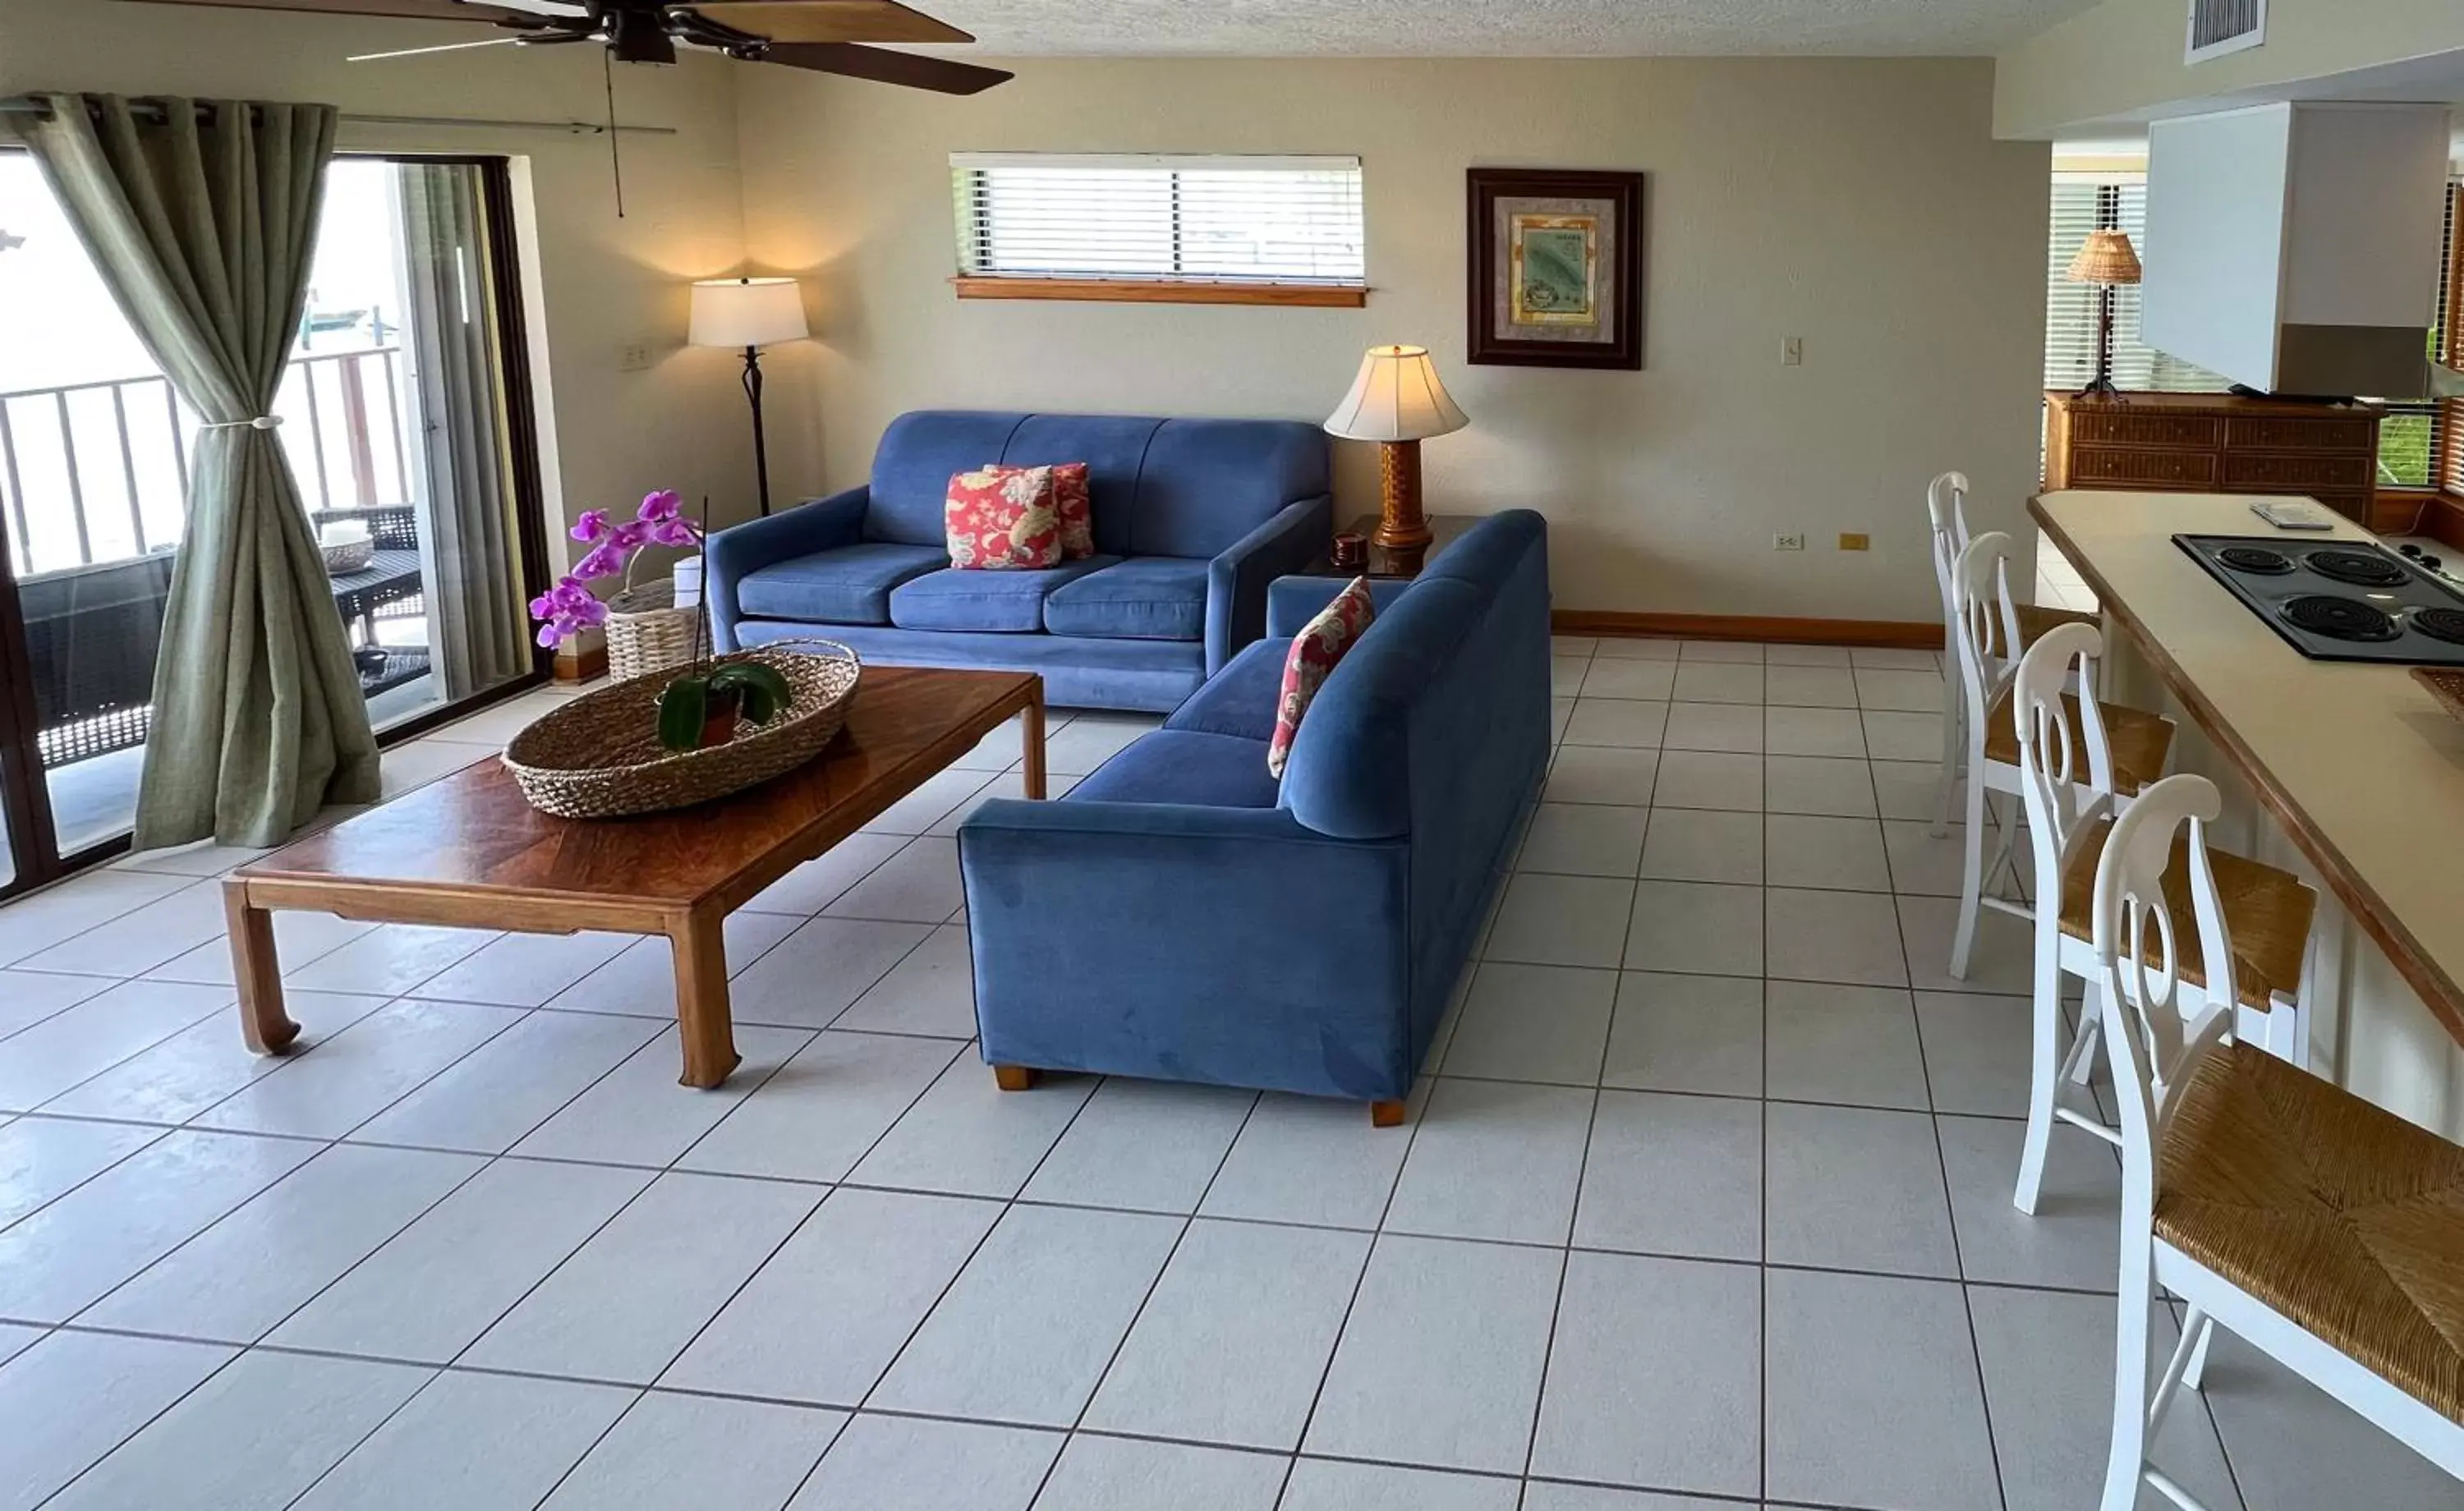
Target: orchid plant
(568, 608)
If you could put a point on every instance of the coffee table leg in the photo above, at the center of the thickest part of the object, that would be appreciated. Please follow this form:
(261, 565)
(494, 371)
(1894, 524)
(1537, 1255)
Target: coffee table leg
(701, 998)
(268, 1029)
(1031, 735)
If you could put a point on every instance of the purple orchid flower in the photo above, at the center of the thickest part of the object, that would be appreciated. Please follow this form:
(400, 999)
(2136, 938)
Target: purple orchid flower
(569, 607)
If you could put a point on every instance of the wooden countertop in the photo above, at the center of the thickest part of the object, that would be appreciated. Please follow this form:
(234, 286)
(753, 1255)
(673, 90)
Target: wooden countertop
(2360, 765)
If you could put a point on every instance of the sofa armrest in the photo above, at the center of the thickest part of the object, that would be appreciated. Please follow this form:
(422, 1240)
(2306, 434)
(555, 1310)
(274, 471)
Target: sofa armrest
(732, 554)
(1211, 944)
(1235, 584)
(1292, 602)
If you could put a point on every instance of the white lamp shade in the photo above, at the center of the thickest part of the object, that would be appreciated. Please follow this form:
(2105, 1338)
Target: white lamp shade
(748, 311)
(1396, 397)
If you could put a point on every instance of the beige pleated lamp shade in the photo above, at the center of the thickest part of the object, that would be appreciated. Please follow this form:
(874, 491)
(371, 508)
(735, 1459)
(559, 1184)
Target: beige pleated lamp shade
(2107, 258)
(747, 312)
(1396, 397)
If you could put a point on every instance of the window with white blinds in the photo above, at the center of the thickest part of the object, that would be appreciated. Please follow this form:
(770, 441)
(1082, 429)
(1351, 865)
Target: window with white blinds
(2083, 202)
(1259, 220)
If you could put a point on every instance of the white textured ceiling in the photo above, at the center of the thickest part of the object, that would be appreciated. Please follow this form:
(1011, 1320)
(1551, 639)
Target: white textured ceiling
(1501, 27)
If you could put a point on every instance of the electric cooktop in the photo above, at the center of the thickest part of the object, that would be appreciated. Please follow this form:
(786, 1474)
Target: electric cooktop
(2338, 600)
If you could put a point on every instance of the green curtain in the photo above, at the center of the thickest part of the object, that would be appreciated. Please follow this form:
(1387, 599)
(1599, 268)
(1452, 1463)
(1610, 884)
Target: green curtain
(476, 575)
(203, 221)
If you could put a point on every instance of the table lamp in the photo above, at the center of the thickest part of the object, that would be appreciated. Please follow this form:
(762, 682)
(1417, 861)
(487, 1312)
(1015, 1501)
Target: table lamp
(1397, 400)
(750, 313)
(2107, 261)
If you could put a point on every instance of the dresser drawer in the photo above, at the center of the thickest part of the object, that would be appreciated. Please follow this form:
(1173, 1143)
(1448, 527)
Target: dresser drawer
(2103, 466)
(2295, 474)
(2295, 433)
(2151, 428)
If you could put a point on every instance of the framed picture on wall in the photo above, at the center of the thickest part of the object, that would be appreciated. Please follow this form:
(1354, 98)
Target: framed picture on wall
(1556, 268)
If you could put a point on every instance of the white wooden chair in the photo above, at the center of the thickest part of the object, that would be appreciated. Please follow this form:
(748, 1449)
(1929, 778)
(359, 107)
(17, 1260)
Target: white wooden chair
(2066, 781)
(2322, 1230)
(1985, 619)
(1947, 515)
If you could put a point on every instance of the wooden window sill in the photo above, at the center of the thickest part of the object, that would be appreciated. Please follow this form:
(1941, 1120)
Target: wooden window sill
(1162, 290)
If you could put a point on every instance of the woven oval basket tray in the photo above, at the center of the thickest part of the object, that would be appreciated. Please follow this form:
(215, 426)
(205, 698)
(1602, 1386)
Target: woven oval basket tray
(599, 757)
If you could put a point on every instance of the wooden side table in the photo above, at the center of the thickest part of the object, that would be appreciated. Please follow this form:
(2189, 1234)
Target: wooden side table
(1387, 563)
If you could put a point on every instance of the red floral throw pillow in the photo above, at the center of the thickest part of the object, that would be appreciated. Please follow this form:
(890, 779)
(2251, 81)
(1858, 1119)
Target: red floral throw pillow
(1003, 518)
(1321, 642)
(1077, 510)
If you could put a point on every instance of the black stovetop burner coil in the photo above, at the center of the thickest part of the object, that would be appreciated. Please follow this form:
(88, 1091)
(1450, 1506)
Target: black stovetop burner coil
(2339, 618)
(2360, 568)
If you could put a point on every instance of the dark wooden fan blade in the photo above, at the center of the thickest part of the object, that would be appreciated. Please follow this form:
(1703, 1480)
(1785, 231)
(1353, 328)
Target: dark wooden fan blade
(831, 21)
(407, 9)
(886, 67)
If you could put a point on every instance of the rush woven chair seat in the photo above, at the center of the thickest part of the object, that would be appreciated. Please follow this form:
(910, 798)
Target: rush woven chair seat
(2323, 1231)
(2140, 742)
(2035, 621)
(2132, 746)
(2338, 1215)
(2069, 781)
(2267, 911)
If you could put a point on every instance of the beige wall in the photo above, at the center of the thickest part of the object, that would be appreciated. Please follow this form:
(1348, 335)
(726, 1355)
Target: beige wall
(2124, 56)
(1861, 204)
(612, 434)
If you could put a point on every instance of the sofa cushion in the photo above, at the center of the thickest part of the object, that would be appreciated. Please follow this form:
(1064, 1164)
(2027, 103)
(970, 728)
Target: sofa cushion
(849, 585)
(1112, 445)
(1149, 598)
(1011, 600)
(1207, 483)
(1316, 650)
(1186, 766)
(1240, 699)
(912, 466)
(1071, 499)
(1002, 520)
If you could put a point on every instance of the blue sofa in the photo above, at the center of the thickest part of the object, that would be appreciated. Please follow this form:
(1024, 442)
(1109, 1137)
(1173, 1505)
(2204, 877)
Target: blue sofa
(1193, 519)
(1182, 915)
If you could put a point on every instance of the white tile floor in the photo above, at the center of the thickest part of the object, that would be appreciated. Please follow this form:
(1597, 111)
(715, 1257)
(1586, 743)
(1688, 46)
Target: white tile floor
(1704, 1204)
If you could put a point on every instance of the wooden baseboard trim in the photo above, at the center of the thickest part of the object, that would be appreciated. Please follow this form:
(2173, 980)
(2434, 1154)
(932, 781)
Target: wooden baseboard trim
(1893, 634)
(587, 666)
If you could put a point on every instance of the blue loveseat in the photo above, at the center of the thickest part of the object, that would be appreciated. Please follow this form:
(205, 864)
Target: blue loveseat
(1193, 518)
(1182, 915)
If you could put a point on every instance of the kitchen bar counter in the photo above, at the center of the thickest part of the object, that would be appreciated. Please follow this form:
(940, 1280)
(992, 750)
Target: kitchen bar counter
(2352, 774)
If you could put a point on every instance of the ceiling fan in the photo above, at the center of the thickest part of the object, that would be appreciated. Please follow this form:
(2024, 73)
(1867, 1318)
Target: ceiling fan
(823, 35)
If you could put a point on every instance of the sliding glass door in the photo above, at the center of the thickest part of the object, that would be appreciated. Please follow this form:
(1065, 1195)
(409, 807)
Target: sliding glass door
(407, 424)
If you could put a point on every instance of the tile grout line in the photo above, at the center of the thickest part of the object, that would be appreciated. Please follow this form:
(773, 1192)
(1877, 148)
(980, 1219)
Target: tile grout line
(1187, 1221)
(974, 1252)
(1361, 1281)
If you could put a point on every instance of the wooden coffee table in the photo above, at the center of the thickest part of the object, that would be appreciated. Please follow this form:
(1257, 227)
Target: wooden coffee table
(468, 852)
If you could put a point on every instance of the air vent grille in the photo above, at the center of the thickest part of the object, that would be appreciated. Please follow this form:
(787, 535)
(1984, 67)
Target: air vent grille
(2218, 26)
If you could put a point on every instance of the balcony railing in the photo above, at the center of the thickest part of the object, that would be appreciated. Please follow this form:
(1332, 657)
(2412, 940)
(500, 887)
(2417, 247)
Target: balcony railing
(97, 472)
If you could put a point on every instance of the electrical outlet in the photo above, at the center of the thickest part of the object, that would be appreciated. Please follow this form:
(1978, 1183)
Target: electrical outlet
(1792, 351)
(633, 357)
(1855, 542)
(1790, 541)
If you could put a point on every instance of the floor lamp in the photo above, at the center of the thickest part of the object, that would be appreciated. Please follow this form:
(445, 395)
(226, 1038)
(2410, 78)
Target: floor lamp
(2108, 261)
(751, 314)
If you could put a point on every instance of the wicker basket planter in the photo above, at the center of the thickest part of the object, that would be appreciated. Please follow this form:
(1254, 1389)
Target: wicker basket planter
(646, 633)
(598, 757)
